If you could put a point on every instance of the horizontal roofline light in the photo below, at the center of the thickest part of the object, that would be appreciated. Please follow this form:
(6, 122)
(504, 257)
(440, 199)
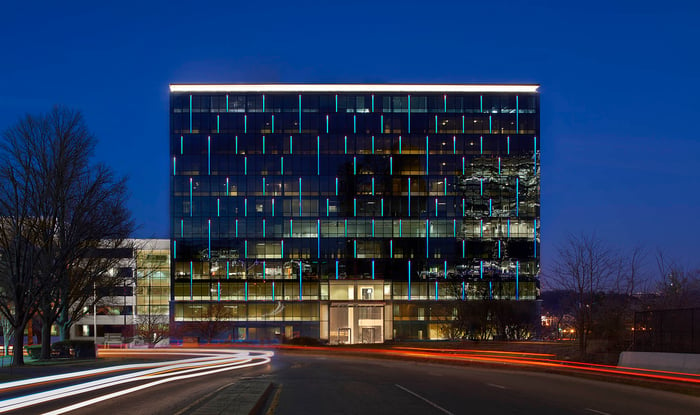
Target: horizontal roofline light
(443, 88)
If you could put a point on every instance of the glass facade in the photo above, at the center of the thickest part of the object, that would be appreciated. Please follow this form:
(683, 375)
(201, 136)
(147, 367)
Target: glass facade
(276, 194)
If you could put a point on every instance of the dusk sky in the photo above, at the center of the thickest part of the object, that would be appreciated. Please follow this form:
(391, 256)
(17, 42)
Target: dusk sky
(620, 87)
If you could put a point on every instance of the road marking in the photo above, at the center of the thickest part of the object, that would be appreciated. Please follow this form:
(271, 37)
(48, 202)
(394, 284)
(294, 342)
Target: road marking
(496, 386)
(597, 412)
(431, 403)
(274, 402)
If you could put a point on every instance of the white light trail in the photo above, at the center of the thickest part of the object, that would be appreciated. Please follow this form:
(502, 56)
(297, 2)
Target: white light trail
(223, 360)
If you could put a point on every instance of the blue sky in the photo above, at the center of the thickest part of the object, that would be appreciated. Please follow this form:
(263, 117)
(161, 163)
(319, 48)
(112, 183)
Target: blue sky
(619, 87)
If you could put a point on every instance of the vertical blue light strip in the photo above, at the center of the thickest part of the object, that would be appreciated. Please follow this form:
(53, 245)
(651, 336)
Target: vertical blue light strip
(436, 207)
(336, 263)
(400, 228)
(373, 260)
(490, 123)
(481, 145)
(391, 248)
(499, 248)
(263, 144)
(490, 207)
(236, 142)
(273, 291)
(291, 147)
(263, 228)
(218, 123)
(263, 99)
(245, 287)
(372, 144)
(499, 166)
(463, 206)
(372, 227)
(454, 145)
(481, 270)
(282, 165)
(445, 273)
(436, 123)
(354, 248)
(454, 228)
(227, 269)
(209, 155)
(462, 165)
(218, 207)
(182, 144)
(354, 207)
(227, 193)
(182, 228)
(190, 116)
(236, 228)
(327, 207)
(336, 102)
(508, 145)
(174, 165)
(508, 228)
(373, 107)
(463, 291)
(245, 207)
(445, 186)
(336, 186)
(326, 124)
(399, 144)
(463, 248)
(273, 207)
(381, 124)
(226, 102)
(372, 186)
(174, 249)
(381, 202)
(481, 103)
(391, 165)
(445, 97)
(436, 289)
(354, 124)
(245, 123)
(282, 248)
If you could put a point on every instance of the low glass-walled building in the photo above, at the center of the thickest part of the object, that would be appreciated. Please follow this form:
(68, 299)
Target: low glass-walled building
(350, 213)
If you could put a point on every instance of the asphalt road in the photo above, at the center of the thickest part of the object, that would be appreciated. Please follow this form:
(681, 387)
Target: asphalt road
(308, 384)
(327, 385)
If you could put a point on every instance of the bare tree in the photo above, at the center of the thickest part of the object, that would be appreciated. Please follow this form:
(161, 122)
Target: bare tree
(74, 206)
(213, 321)
(152, 328)
(586, 266)
(678, 286)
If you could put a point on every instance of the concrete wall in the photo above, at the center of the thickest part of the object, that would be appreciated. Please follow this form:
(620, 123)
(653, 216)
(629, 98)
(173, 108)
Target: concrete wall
(672, 362)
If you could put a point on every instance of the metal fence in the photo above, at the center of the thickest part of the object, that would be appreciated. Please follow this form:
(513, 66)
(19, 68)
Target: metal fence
(670, 331)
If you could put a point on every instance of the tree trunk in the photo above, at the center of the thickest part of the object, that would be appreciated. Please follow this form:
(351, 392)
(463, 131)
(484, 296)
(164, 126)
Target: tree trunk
(18, 346)
(45, 339)
(64, 324)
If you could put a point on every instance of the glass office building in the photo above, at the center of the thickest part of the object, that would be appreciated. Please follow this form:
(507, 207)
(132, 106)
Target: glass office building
(350, 213)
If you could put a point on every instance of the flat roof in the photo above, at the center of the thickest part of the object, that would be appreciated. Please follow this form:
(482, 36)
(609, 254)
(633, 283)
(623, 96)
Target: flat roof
(442, 88)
